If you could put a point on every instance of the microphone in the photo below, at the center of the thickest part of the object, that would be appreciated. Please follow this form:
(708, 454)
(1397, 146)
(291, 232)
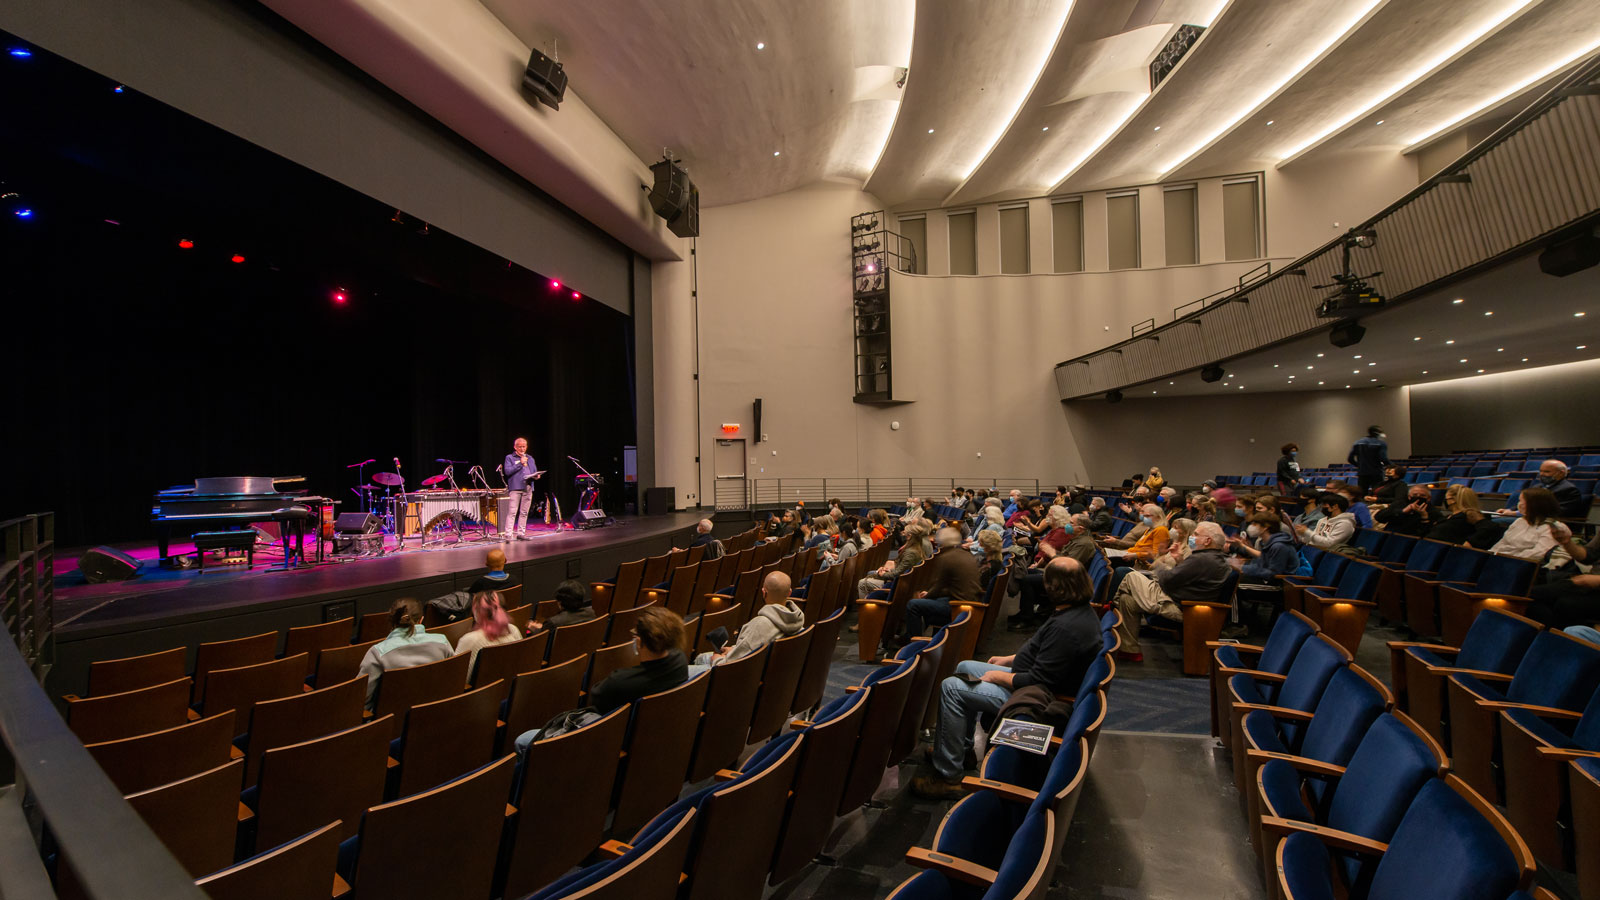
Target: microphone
(397, 463)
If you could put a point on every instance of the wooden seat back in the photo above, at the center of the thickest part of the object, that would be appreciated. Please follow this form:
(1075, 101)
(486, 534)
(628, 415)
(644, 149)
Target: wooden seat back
(606, 596)
(654, 874)
(196, 817)
(818, 784)
(730, 703)
(301, 869)
(676, 596)
(110, 717)
(316, 782)
(150, 760)
(302, 717)
(738, 831)
(813, 680)
(340, 664)
(401, 689)
(620, 622)
(705, 581)
(503, 662)
(374, 627)
(923, 684)
(573, 773)
(778, 682)
(580, 639)
(448, 738)
(454, 631)
(871, 755)
(660, 742)
(695, 554)
(242, 688)
(546, 609)
(519, 615)
(439, 843)
(654, 572)
(116, 676)
(245, 651)
(313, 639)
(540, 695)
(606, 660)
(960, 630)
(727, 617)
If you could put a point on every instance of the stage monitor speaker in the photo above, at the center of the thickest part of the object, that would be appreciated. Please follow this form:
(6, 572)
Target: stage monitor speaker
(658, 501)
(590, 518)
(1571, 256)
(102, 564)
(544, 80)
(356, 523)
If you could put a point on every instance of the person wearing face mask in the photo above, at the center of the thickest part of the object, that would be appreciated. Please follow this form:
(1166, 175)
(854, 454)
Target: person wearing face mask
(1569, 497)
(1152, 542)
(1178, 550)
(1289, 468)
(1162, 593)
(1370, 456)
(1415, 517)
(1357, 507)
(1393, 489)
(1030, 584)
(1099, 516)
(1337, 526)
(1276, 554)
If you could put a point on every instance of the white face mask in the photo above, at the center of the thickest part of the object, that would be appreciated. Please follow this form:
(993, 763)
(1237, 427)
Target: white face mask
(1254, 531)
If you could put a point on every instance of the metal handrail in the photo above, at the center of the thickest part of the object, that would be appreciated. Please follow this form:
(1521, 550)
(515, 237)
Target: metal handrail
(113, 852)
(855, 491)
(1573, 84)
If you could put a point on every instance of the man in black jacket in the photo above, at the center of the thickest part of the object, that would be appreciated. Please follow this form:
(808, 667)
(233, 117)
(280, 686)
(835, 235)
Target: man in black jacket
(1415, 517)
(1056, 657)
(954, 582)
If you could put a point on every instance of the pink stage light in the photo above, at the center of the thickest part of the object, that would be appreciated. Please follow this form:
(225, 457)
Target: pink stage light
(339, 296)
(555, 285)
(576, 295)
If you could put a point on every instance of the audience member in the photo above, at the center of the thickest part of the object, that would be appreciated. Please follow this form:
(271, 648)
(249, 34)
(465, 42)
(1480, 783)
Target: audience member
(1150, 543)
(496, 579)
(850, 543)
(1393, 488)
(1013, 504)
(1336, 527)
(1178, 544)
(1569, 497)
(407, 645)
(491, 626)
(1369, 455)
(1155, 482)
(1289, 468)
(1162, 593)
(990, 520)
(658, 642)
(994, 559)
(954, 581)
(1275, 552)
(1537, 529)
(1358, 507)
(573, 597)
(703, 538)
(820, 536)
(1416, 518)
(777, 616)
(1099, 516)
(880, 526)
(1572, 596)
(1057, 656)
(1466, 523)
(1030, 584)
(911, 555)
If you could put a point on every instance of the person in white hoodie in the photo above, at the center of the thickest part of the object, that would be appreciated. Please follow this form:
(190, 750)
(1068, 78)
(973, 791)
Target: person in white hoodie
(1337, 526)
(778, 617)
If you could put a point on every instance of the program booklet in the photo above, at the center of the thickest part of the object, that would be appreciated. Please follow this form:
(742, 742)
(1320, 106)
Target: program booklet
(1033, 737)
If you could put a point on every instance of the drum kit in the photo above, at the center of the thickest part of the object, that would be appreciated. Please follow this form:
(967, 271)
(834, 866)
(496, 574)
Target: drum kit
(440, 513)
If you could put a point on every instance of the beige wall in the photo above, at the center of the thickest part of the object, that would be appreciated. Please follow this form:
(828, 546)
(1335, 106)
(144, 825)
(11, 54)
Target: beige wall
(1195, 438)
(1311, 202)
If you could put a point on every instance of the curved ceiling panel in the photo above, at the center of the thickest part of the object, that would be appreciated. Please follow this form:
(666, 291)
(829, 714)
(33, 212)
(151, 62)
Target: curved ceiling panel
(972, 66)
(1254, 50)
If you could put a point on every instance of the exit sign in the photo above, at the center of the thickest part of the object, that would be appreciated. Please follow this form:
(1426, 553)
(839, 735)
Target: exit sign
(730, 428)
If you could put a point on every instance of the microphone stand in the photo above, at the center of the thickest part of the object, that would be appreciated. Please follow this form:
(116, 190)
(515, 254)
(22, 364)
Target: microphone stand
(361, 480)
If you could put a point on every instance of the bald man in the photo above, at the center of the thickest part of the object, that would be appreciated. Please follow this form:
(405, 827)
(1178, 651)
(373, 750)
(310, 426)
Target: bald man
(703, 538)
(778, 617)
(497, 578)
(1161, 593)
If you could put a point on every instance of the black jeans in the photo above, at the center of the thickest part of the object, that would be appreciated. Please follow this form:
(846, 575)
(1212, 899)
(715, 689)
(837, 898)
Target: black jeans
(1561, 604)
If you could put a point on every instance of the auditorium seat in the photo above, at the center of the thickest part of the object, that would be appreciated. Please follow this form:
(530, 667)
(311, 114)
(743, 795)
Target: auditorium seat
(818, 783)
(960, 632)
(709, 621)
(621, 621)
(655, 571)
(573, 774)
(813, 679)
(677, 593)
(504, 662)
(580, 639)
(340, 664)
(197, 817)
(1449, 844)
(878, 615)
(1495, 643)
(1276, 655)
(1023, 873)
(930, 654)
(1298, 690)
(1584, 788)
(606, 660)
(890, 688)
(110, 717)
(116, 676)
(660, 742)
(232, 654)
(539, 696)
(705, 581)
(454, 631)
(446, 738)
(1502, 582)
(786, 658)
(730, 703)
(1535, 745)
(301, 869)
(736, 824)
(240, 689)
(150, 760)
(312, 783)
(374, 627)
(1389, 593)
(1339, 609)
(519, 614)
(313, 639)
(996, 808)
(439, 843)
(401, 689)
(625, 584)
(1558, 671)
(649, 871)
(1459, 565)
(545, 610)
(291, 720)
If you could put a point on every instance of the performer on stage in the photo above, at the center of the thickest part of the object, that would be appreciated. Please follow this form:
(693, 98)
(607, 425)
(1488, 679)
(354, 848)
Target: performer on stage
(520, 472)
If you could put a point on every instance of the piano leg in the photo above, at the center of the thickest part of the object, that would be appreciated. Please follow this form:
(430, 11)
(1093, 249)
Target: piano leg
(162, 543)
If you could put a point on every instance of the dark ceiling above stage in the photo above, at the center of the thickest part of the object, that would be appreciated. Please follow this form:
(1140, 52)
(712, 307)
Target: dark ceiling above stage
(133, 362)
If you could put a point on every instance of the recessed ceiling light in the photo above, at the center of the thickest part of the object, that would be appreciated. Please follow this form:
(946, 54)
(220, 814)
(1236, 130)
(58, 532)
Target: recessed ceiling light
(1046, 128)
(1374, 379)
(1152, 392)
(1158, 128)
(1372, 364)
(1480, 371)
(1357, 356)
(1424, 371)
(1489, 313)
(1347, 387)
(1524, 359)
(930, 131)
(776, 152)
(1355, 371)
(1583, 346)
(1319, 355)
(1172, 382)
(1463, 360)
(1274, 365)
(1319, 382)
(1452, 341)
(1308, 368)
(1578, 315)
(1499, 349)
(1269, 121)
(761, 45)
(1379, 122)
(1457, 300)
(1416, 339)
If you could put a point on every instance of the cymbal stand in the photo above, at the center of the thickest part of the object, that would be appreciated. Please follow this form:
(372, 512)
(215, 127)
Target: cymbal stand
(361, 480)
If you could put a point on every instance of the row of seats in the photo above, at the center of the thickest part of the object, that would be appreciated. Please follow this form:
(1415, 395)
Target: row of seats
(660, 573)
(1353, 790)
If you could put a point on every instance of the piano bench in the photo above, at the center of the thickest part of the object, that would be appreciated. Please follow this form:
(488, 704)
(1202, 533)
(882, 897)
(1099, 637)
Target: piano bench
(236, 541)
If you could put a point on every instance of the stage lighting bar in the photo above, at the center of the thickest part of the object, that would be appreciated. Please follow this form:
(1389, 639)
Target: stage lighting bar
(1509, 92)
(1485, 29)
(1360, 12)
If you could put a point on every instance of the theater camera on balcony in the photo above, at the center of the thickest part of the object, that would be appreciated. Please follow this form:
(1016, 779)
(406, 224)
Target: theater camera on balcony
(1353, 295)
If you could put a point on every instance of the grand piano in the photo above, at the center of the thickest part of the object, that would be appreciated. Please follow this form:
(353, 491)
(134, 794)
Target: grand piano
(228, 502)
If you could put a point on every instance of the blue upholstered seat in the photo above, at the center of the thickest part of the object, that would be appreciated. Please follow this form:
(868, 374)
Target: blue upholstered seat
(1556, 671)
(1288, 633)
(1303, 684)
(1585, 733)
(1347, 707)
(1026, 862)
(1496, 642)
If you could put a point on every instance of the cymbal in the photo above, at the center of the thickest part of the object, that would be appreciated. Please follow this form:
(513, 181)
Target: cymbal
(391, 479)
(371, 487)
(432, 481)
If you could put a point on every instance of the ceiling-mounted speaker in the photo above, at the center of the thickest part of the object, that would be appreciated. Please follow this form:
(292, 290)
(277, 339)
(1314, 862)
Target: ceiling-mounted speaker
(675, 198)
(1571, 256)
(1211, 374)
(1347, 334)
(544, 80)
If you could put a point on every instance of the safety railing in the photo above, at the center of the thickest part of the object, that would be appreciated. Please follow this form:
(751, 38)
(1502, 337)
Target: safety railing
(1534, 177)
(855, 492)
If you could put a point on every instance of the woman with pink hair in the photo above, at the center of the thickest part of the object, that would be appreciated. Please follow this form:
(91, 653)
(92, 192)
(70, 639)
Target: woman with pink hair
(493, 626)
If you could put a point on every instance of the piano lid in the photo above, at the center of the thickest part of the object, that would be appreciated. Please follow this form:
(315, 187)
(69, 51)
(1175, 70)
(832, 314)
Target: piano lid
(242, 484)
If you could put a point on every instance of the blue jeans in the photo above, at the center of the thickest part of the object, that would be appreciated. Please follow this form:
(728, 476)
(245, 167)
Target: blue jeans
(924, 611)
(959, 706)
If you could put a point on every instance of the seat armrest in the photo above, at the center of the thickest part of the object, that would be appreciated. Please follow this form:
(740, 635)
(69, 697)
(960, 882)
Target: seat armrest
(1341, 840)
(1303, 763)
(1325, 601)
(1277, 712)
(1254, 673)
(614, 849)
(725, 775)
(1476, 673)
(1423, 645)
(1210, 604)
(1543, 712)
(1242, 648)
(1001, 789)
(799, 724)
(1568, 753)
(959, 869)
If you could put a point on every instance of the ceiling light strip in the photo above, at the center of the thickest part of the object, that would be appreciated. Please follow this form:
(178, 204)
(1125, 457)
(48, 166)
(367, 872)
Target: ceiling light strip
(1418, 141)
(1484, 30)
(1364, 10)
(1022, 101)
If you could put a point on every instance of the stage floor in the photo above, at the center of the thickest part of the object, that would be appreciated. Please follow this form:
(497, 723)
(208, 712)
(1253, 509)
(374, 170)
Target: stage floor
(163, 596)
